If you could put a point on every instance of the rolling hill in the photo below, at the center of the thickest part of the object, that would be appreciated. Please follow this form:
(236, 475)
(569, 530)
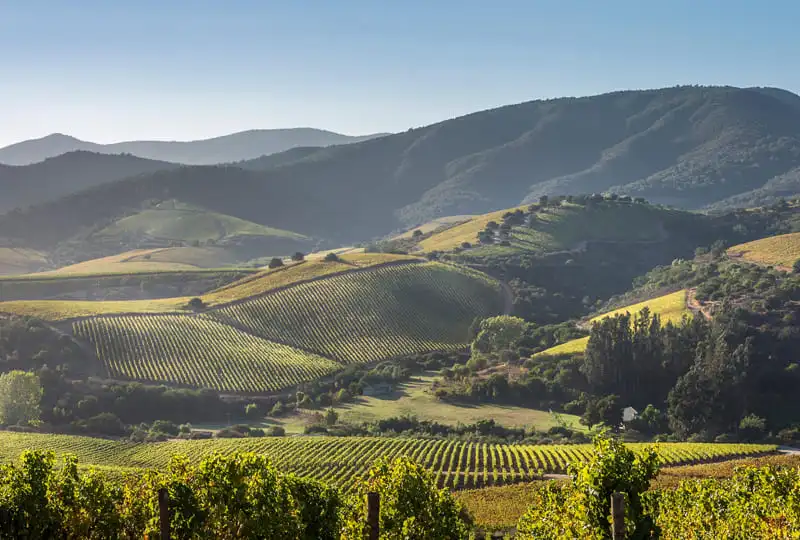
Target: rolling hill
(685, 146)
(781, 251)
(284, 326)
(227, 148)
(58, 176)
(671, 307)
(20, 261)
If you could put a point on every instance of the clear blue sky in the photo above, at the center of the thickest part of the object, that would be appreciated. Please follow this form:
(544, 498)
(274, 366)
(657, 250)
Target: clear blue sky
(180, 69)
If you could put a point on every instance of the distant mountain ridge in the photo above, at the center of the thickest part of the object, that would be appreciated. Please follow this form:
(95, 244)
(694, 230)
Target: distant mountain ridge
(690, 147)
(239, 146)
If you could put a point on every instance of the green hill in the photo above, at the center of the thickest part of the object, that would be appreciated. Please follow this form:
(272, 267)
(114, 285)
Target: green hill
(286, 326)
(684, 146)
(174, 221)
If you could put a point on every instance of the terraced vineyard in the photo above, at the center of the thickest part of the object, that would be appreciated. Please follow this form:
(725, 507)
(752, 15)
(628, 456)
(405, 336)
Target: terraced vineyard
(199, 352)
(297, 333)
(372, 315)
(340, 460)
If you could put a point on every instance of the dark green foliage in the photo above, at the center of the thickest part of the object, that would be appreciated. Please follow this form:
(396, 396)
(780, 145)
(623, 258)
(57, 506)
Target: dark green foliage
(331, 257)
(196, 304)
(298, 256)
(275, 262)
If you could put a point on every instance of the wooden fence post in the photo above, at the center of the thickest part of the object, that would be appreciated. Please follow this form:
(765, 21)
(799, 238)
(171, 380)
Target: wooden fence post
(373, 515)
(617, 516)
(163, 512)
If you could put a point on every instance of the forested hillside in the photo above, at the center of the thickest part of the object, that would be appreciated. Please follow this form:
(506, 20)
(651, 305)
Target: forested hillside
(686, 146)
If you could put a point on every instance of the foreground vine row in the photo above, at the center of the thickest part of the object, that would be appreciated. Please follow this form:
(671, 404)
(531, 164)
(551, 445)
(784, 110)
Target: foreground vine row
(340, 461)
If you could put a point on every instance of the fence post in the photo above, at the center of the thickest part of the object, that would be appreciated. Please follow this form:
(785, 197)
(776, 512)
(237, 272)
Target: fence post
(163, 512)
(617, 516)
(373, 515)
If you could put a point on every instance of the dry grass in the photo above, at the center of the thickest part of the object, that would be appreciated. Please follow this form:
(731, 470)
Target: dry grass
(20, 261)
(466, 232)
(671, 307)
(782, 250)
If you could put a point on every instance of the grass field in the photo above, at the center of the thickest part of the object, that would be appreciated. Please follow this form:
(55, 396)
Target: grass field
(298, 333)
(556, 229)
(414, 399)
(20, 261)
(782, 250)
(258, 283)
(341, 460)
(176, 221)
(671, 307)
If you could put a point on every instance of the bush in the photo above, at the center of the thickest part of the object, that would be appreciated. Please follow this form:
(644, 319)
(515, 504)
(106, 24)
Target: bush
(185, 428)
(276, 262)
(102, 424)
(196, 304)
(298, 256)
(331, 257)
(276, 431)
(411, 505)
(315, 429)
(164, 426)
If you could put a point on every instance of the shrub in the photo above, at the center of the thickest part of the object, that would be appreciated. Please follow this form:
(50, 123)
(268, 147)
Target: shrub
(102, 424)
(297, 256)
(331, 257)
(276, 262)
(164, 426)
(196, 304)
(276, 431)
(411, 505)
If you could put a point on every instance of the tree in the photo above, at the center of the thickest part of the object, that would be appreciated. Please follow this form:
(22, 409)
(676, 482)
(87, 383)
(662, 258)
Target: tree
(796, 266)
(331, 257)
(20, 397)
(276, 262)
(499, 333)
(298, 256)
(196, 304)
(416, 234)
(331, 417)
(251, 411)
(543, 200)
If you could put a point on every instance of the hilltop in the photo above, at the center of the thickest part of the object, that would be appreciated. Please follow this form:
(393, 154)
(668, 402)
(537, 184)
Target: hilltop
(58, 176)
(686, 146)
(227, 148)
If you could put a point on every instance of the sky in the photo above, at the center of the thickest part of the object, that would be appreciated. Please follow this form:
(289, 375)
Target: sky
(113, 70)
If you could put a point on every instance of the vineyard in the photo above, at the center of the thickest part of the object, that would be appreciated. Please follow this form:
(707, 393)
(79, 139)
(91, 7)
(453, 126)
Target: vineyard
(297, 333)
(341, 460)
(199, 352)
(372, 315)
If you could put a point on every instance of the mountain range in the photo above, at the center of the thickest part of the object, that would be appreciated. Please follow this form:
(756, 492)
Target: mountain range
(227, 148)
(690, 147)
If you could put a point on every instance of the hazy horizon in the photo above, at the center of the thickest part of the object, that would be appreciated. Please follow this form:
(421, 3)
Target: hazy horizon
(147, 71)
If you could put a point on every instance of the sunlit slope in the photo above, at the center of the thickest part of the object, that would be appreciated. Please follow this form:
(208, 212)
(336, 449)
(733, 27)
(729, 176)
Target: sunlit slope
(782, 250)
(259, 283)
(555, 228)
(299, 331)
(177, 221)
(197, 351)
(671, 308)
(365, 316)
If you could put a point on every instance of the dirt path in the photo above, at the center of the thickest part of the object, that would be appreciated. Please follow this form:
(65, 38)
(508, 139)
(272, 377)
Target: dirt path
(695, 306)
